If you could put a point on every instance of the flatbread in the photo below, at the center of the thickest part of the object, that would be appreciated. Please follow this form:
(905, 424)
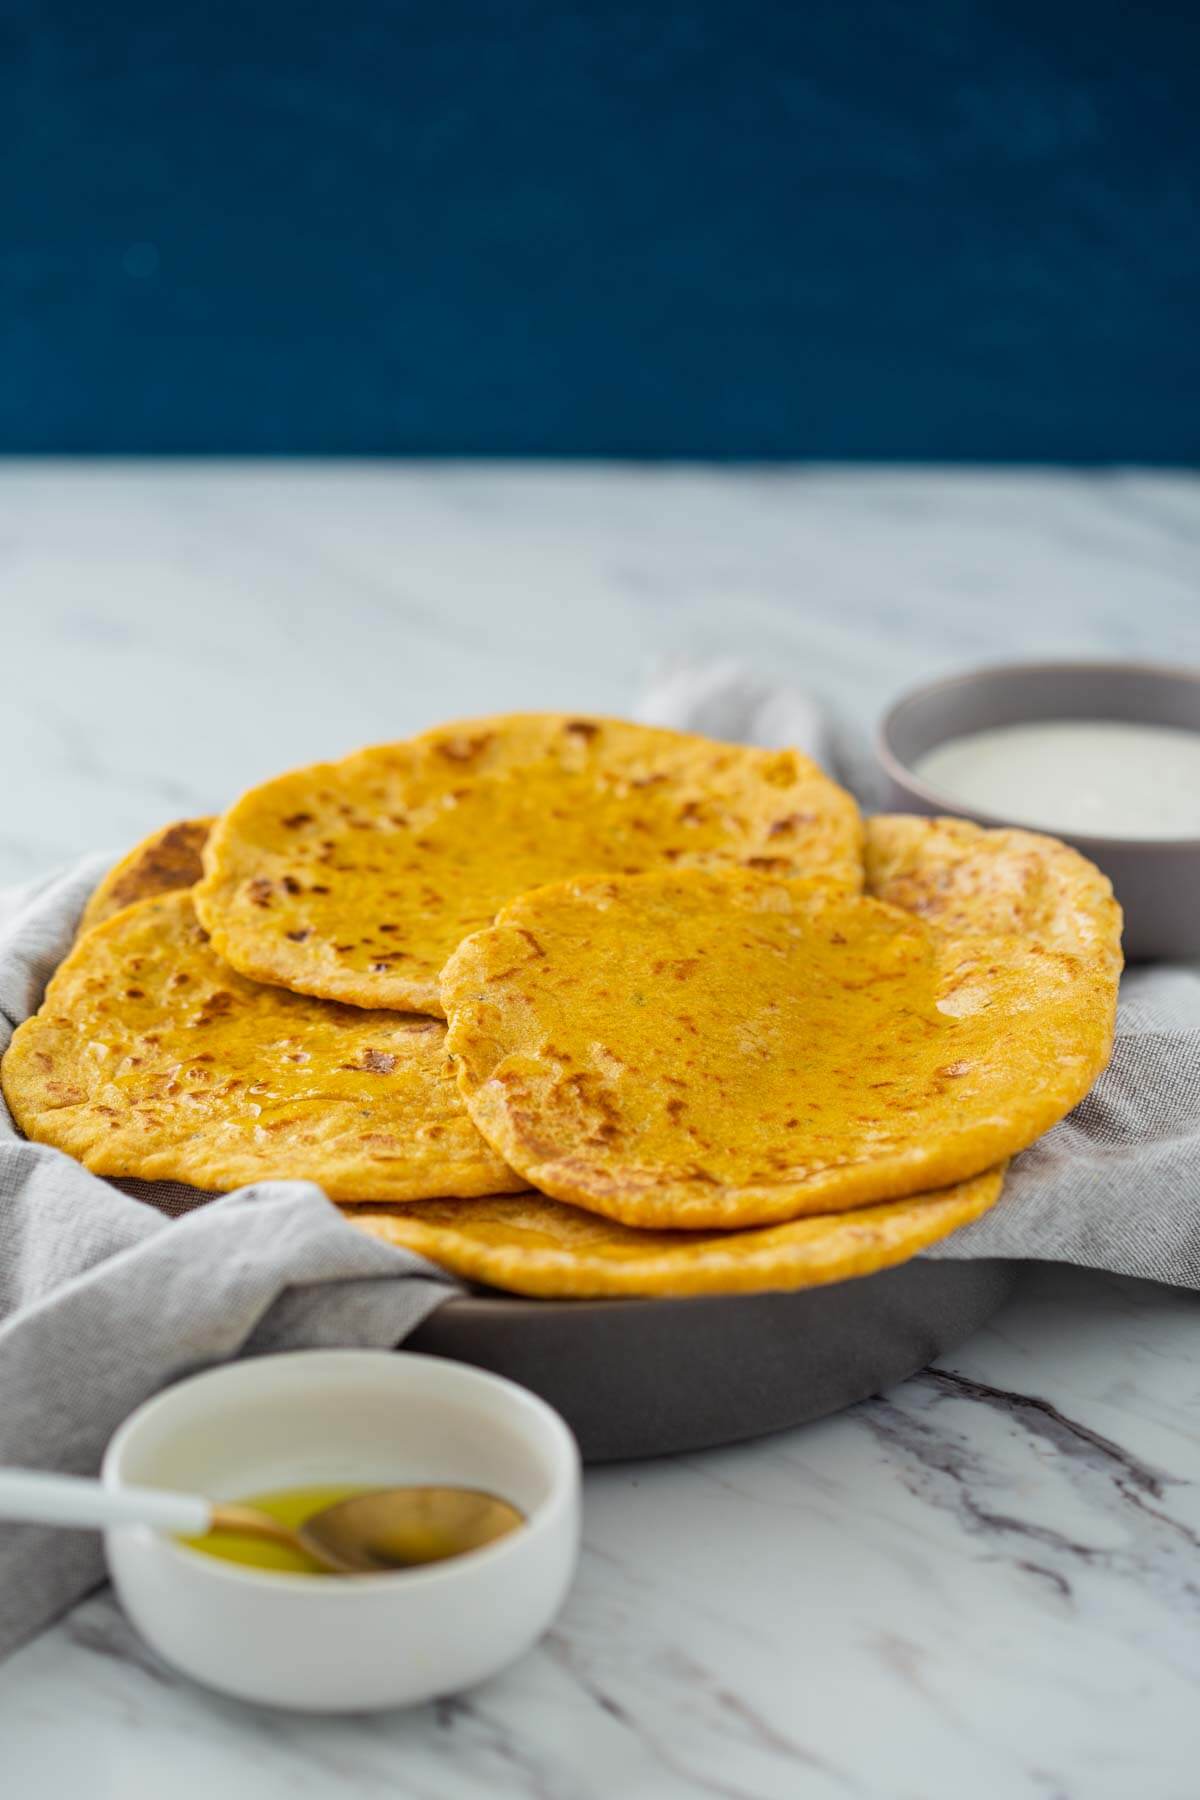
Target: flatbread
(166, 860)
(355, 880)
(697, 1048)
(528, 1244)
(970, 881)
(151, 1058)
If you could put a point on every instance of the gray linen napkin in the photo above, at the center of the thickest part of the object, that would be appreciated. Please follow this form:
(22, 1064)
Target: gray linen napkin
(104, 1300)
(1117, 1185)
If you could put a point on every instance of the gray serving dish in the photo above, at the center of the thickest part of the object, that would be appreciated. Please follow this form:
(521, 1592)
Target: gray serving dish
(1157, 880)
(648, 1377)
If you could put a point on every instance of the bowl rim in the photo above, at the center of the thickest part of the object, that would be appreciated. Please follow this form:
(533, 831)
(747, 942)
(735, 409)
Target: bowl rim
(563, 1495)
(899, 772)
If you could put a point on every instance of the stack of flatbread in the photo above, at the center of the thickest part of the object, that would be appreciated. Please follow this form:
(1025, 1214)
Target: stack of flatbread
(578, 1007)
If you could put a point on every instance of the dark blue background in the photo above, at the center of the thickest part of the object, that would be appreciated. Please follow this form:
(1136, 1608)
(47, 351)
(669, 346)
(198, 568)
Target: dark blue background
(729, 228)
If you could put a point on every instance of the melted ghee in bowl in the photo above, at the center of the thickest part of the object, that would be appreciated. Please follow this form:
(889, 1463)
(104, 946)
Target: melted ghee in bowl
(291, 1507)
(392, 1530)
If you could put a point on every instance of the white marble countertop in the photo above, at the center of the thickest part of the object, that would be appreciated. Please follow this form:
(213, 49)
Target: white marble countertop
(986, 1583)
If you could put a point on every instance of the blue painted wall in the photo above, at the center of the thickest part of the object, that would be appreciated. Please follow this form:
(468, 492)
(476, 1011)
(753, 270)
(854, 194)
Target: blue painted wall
(730, 228)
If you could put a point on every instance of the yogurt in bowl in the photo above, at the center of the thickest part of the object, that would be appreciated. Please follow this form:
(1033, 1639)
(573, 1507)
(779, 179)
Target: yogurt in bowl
(1100, 777)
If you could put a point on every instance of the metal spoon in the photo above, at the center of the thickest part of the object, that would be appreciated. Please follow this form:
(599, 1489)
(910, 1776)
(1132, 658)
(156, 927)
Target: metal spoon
(395, 1528)
(386, 1528)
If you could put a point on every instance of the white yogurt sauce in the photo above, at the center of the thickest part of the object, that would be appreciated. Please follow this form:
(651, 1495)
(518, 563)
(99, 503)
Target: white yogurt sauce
(1089, 776)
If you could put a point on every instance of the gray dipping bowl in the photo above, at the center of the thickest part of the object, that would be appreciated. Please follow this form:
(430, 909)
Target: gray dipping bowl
(1157, 880)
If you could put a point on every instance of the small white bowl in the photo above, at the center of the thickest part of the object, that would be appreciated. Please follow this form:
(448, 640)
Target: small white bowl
(331, 1416)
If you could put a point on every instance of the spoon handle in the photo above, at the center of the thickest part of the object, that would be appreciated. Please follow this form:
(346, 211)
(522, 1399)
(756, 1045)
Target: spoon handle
(44, 1499)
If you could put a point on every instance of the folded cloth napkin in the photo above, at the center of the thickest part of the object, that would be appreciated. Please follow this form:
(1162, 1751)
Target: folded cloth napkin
(1117, 1185)
(104, 1300)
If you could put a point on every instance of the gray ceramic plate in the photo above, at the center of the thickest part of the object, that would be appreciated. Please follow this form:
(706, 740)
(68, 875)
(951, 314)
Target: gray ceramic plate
(647, 1377)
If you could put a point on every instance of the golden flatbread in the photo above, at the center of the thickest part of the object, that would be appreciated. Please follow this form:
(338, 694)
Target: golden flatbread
(970, 881)
(151, 1058)
(528, 1244)
(168, 859)
(697, 1048)
(355, 880)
